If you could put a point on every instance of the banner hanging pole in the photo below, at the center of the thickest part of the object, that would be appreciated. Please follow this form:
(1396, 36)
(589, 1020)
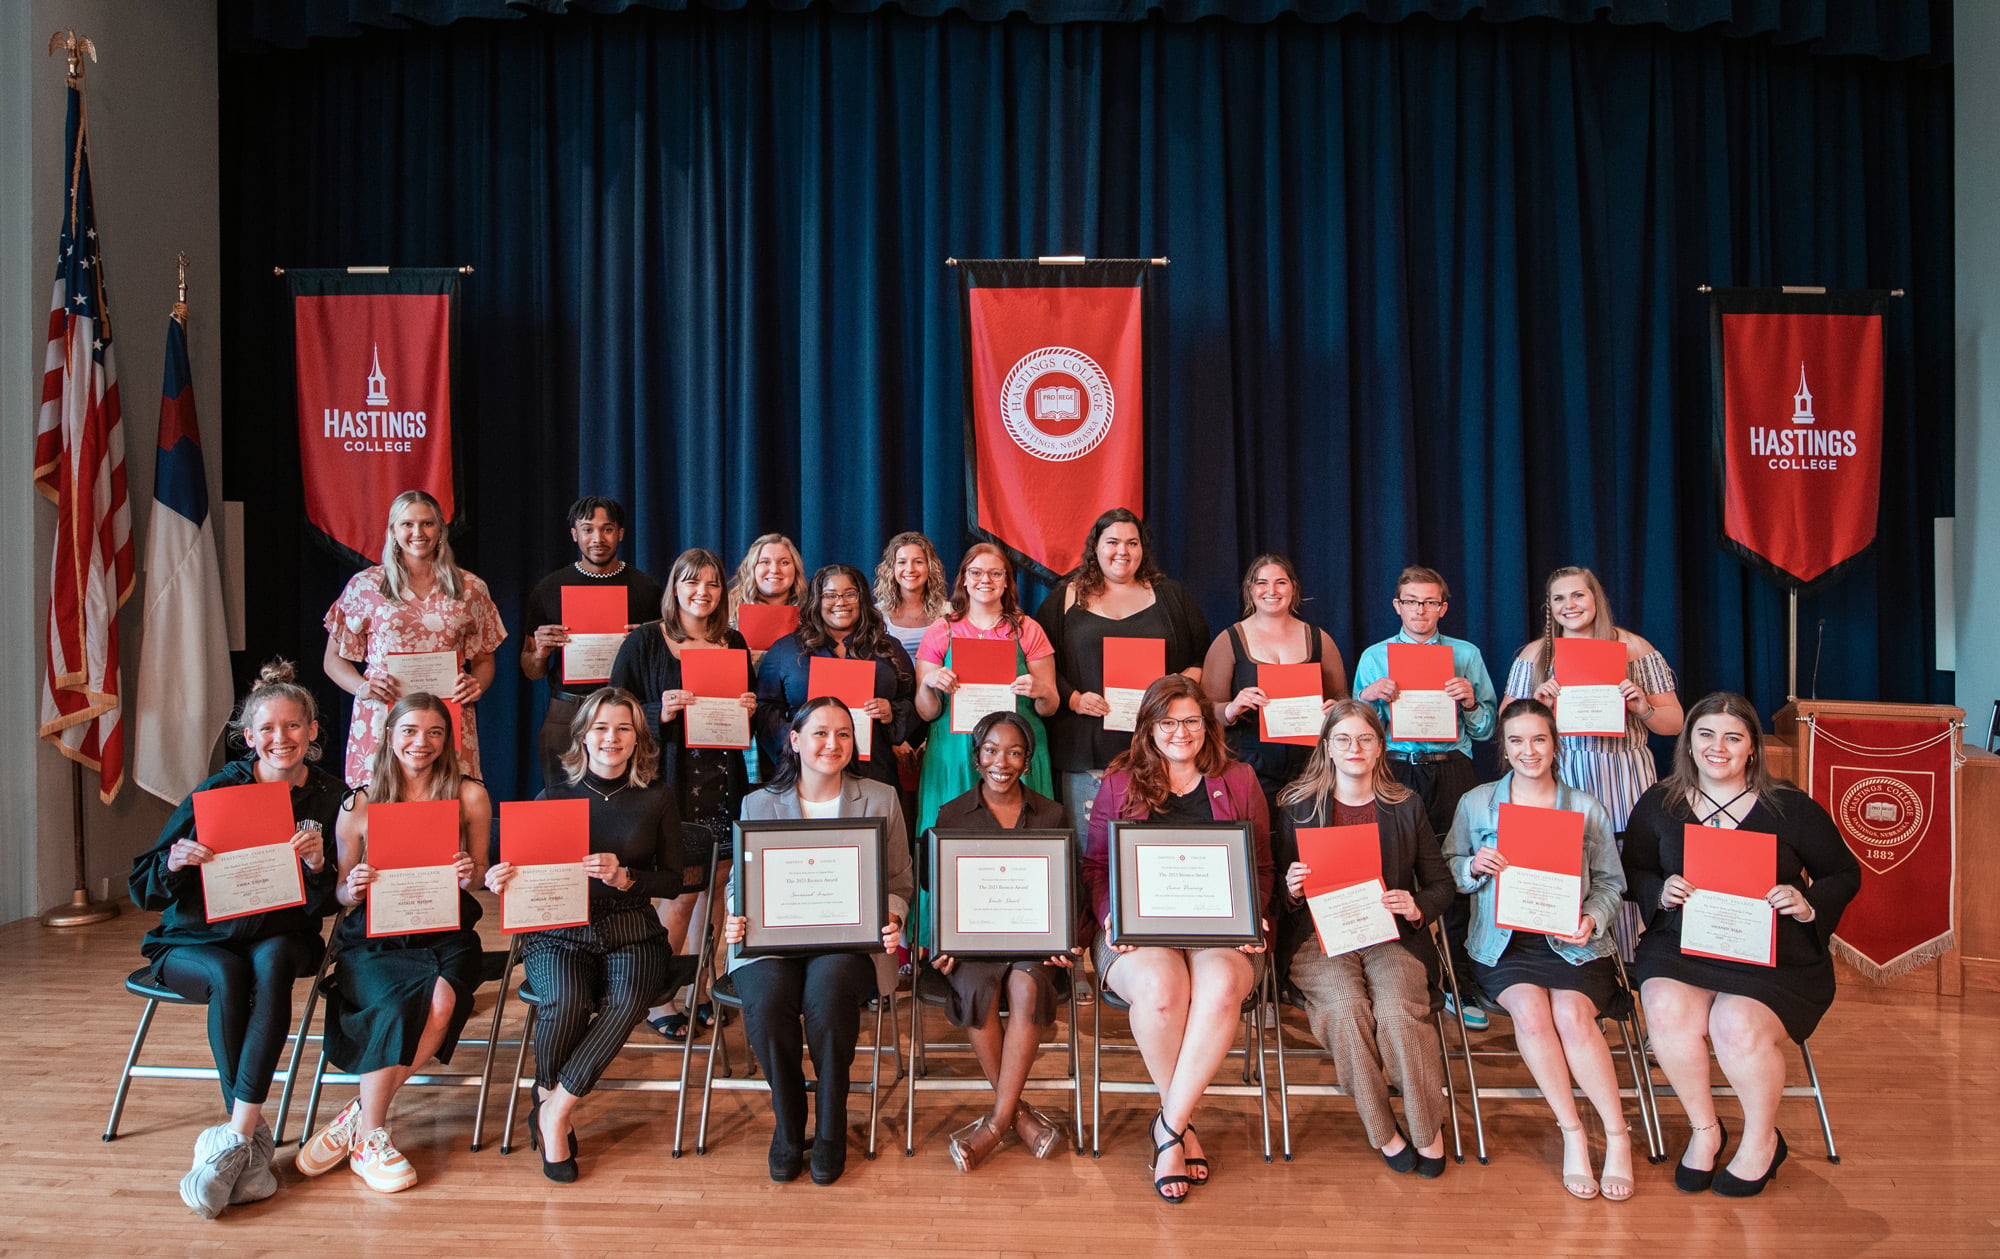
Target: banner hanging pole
(1792, 646)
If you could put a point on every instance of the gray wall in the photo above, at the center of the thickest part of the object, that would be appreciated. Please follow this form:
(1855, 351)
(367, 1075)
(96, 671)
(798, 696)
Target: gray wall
(154, 161)
(1976, 545)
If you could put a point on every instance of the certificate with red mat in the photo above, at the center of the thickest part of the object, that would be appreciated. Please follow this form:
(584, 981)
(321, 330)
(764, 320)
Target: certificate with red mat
(414, 849)
(1589, 671)
(545, 841)
(1421, 711)
(718, 676)
(595, 619)
(1345, 889)
(249, 829)
(1130, 666)
(1727, 916)
(852, 682)
(1542, 887)
(1292, 711)
(762, 624)
(984, 669)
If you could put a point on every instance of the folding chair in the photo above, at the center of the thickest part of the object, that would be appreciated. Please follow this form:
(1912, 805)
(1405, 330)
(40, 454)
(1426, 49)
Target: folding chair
(494, 965)
(929, 988)
(1286, 1088)
(1623, 1013)
(1262, 998)
(140, 983)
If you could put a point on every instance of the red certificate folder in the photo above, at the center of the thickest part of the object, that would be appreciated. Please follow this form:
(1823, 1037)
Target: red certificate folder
(593, 609)
(1419, 666)
(984, 661)
(852, 682)
(250, 816)
(1741, 863)
(1340, 856)
(1540, 839)
(1134, 663)
(547, 833)
(717, 672)
(1590, 662)
(1288, 681)
(762, 624)
(410, 836)
(457, 711)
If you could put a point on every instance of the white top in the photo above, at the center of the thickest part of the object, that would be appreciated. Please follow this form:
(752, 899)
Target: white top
(819, 808)
(910, 638)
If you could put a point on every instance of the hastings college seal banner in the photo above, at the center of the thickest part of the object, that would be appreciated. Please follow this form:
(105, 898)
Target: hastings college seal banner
(1890, 788)
(1055, 401)
(374, 356)
(1798, 415)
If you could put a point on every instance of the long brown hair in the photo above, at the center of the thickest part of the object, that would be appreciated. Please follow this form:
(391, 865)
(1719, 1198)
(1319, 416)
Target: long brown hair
(645, 763)
(688, 564)
(386, 784)
(1602, 625)
(1314, 785)
(1143, 761)
(1087, 581)
(1268, 559)
(961, 598)
(1686, 779)
(868, 640)
(888, 594)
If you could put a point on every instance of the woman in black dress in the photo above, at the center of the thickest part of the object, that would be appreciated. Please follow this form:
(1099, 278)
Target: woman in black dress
(592, 983)
(398, 1001)
(1720, 779)
(1003, 745)
(709, 782)
(243, 968)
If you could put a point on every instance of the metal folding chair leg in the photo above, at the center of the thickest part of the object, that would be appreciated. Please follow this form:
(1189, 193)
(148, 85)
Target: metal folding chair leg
(131, 1059)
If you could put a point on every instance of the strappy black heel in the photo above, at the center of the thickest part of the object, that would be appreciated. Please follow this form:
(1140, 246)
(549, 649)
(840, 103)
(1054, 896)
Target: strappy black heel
(1160, 1183)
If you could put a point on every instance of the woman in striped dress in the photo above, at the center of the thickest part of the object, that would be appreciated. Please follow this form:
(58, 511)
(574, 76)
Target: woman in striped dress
(1616, 770)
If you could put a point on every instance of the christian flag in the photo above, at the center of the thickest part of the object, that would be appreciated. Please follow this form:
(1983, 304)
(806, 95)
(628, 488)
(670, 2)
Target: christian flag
(376, 355)
(183, 690)
(1055, 401)
(1798, 427)
(80, 467)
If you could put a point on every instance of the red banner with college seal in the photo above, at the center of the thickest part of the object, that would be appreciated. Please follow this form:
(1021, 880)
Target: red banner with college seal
(1055, 401)
(374, 358)
(1798, 415)
(1891, 788)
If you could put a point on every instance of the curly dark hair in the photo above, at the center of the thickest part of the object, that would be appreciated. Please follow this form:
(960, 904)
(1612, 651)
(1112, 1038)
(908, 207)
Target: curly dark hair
(1086, 580)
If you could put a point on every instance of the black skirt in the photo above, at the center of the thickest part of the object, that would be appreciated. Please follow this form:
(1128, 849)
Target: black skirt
(975, 985)
(1799, 995)
(381, 995)
(1528, 959)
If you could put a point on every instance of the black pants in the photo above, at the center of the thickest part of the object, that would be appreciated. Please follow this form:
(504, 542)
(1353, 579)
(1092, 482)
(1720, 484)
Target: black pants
(554, 738)
(1440, 785)
(819, 996)
(248, 990)
(592, 985)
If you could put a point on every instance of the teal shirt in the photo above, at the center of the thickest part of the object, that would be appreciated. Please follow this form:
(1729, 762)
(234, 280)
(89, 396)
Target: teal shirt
(1480, 723)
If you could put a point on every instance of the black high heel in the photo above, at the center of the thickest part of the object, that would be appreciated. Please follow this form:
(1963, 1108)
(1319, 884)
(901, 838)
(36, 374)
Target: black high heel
(1728, 1185)
(564, 1172)
(1404, 1160)
(1694, 1180)
(1193, 1163)
(1160, 1183)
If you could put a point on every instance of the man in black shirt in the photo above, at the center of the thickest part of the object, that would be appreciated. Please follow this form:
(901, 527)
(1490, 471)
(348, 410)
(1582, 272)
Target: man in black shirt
(598, 526)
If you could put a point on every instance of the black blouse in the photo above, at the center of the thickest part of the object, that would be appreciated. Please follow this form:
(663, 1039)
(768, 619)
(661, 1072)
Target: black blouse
(641, 826)
(1078, 634)
(646, 667)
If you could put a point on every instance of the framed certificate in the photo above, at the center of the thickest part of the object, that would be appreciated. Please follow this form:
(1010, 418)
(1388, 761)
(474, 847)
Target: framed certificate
(1002, 894)
(1186, 885)
(810, 885)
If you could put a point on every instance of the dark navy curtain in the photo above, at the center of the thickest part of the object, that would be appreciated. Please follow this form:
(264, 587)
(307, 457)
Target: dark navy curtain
(1432, 298)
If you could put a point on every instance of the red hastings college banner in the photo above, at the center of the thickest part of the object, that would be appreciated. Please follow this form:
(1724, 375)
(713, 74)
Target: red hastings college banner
(1055, 401)
(1799, 427)
(374, 356)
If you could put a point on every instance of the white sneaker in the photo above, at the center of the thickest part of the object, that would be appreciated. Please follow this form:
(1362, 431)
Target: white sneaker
(331, 1145)
(257, 1181)
(219, 1156)
(381, 1165)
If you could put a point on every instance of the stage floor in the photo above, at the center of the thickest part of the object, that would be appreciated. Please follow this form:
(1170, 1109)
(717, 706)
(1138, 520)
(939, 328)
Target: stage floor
(1914, 1085)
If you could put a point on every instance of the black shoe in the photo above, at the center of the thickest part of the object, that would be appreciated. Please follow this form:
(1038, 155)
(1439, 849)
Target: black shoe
(1728, 1185)
(535, 1132)
(829, 1159)
(1404, 1160)
(786, 1163)
(1429, 1168)
(1691, 1180)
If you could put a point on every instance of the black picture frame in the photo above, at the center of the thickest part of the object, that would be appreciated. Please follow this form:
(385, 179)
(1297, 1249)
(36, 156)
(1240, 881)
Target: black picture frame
(756, 841)
(1129, 926)
(943, 850)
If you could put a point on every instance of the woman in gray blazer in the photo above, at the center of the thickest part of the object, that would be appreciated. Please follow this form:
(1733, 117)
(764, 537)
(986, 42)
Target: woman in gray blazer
(812, 1003)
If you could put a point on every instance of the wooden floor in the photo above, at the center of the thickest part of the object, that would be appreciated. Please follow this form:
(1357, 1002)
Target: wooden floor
(1914, 1079)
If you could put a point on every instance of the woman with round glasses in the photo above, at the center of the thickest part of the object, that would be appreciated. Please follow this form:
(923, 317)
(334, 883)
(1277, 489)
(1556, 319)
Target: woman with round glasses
(1184, 1002)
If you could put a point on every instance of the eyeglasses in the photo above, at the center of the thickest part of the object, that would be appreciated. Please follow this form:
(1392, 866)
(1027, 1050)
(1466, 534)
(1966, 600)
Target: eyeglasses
(1189, 725)
(840, 596)
(1422, 605)
(981, 576)
(1348, 742)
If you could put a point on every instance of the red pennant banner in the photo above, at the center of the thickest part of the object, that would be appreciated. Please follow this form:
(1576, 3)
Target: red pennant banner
(1889, 787)
(1799, 411)
(374, 367)
(1055, 401)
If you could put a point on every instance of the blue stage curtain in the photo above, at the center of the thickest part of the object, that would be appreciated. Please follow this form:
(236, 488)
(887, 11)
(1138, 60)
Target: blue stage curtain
(1432, 299)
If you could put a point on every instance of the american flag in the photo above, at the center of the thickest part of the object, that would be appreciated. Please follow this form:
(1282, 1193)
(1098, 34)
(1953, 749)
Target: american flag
(80, 466)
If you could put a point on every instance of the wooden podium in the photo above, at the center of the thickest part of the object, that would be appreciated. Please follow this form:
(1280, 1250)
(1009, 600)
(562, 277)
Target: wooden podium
(1976, 885)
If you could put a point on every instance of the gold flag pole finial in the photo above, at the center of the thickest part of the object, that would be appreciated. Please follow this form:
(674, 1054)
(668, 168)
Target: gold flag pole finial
(75, 48)
(181, 287)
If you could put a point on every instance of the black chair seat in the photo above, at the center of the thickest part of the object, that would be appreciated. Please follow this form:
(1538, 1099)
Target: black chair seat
(140, 983)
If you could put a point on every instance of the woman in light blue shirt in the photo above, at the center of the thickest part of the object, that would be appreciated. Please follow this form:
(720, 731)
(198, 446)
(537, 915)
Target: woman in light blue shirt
(1554, 987)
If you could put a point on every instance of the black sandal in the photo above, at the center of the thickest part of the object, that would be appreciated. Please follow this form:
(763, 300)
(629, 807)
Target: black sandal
(672, 1026)
(704, 1016)
(1160, 1183)
(1193, 1163)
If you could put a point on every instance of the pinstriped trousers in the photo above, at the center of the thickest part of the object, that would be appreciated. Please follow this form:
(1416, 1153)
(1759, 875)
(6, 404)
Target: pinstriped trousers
(592, 986)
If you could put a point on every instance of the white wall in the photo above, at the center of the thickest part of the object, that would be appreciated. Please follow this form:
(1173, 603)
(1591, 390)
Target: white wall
(154, 163)
(1976, 166)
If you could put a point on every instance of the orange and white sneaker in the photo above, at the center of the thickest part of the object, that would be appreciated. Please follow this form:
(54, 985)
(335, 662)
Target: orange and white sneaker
(380, 1164)
(333, 1143)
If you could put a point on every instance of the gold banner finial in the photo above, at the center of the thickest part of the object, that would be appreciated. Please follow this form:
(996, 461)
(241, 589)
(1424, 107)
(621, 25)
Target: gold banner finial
(75, 48)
